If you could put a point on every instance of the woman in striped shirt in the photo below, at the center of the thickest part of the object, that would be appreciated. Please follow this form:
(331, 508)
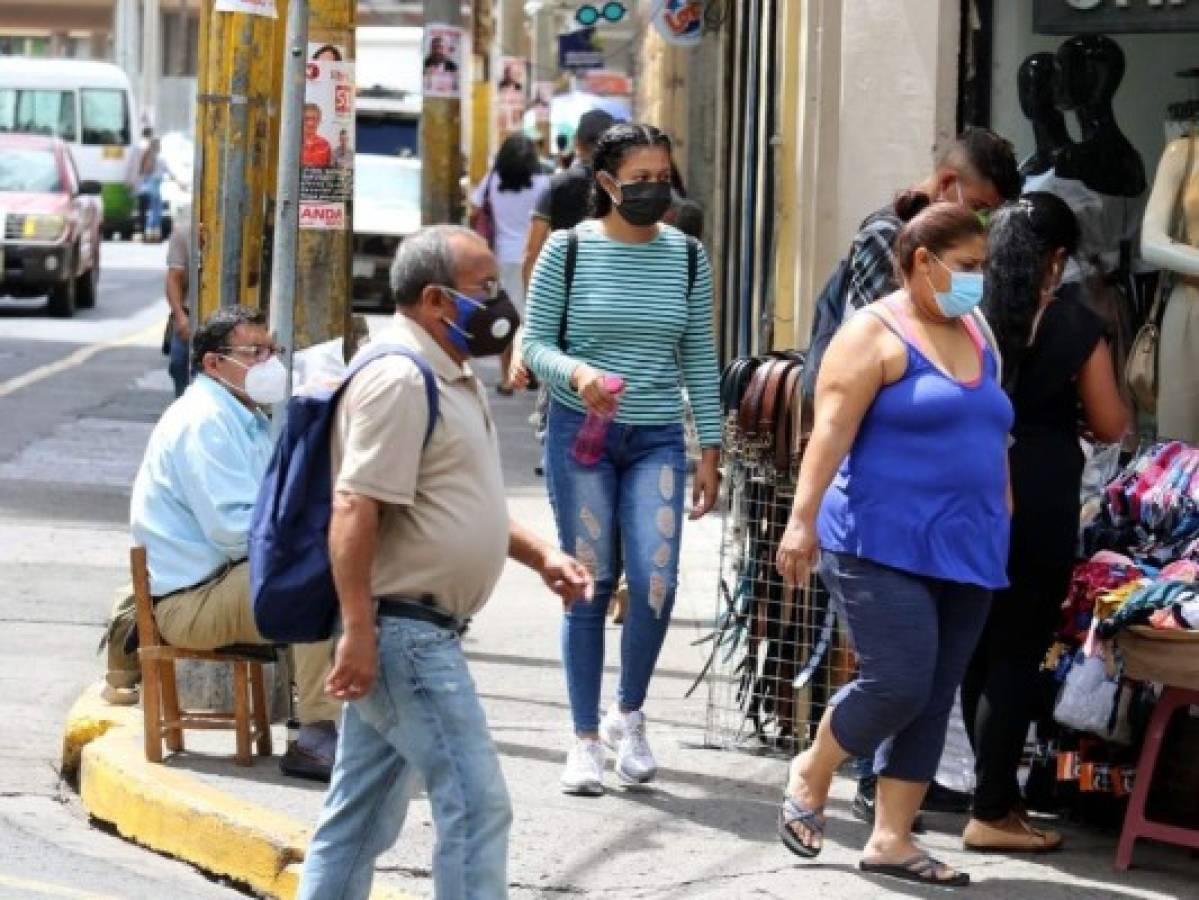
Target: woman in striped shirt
(635, 307)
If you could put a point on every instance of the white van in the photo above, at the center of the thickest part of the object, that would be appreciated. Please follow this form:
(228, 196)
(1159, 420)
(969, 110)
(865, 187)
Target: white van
(90, 106)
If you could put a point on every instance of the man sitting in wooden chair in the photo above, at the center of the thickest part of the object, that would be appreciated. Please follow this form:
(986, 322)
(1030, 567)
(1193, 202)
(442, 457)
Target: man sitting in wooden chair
(192, 503)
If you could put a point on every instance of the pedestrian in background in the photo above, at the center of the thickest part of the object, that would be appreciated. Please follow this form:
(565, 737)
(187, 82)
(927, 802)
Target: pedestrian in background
(1058, 372)
(178, 331)
(150, 171)
(510, 191)
(903, 498)
(633, 314)
(418, 538)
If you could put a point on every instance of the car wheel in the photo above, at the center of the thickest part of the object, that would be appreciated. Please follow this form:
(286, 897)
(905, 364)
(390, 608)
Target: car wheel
(62, 299)
(86, 287)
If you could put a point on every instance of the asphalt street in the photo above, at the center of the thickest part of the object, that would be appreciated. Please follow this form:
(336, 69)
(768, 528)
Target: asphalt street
(77, 400)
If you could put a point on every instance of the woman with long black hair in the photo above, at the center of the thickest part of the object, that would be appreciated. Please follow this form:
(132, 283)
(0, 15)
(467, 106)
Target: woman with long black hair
(631, 309)
(511, 190)
(1058, 372)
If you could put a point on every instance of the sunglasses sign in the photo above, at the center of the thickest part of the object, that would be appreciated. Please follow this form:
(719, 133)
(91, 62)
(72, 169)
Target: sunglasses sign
(680, 22)
(591, 13)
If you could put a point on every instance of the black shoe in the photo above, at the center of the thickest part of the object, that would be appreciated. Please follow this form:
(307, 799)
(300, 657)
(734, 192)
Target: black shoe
(946, 800)
(299, 763)
(863, 810)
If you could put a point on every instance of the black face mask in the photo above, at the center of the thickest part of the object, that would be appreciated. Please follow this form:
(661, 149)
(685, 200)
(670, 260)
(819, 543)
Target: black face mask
(642, 203)
(483, 327)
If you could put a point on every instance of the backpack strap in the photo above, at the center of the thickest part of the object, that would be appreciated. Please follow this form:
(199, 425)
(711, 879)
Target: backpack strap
(692, 264)
(378, 351)
(568, 277)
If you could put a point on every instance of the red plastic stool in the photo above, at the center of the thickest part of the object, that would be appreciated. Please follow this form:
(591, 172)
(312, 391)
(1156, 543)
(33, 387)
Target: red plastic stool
(1135, 823)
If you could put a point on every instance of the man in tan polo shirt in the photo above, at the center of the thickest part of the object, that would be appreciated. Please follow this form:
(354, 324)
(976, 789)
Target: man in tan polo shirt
(418, 538)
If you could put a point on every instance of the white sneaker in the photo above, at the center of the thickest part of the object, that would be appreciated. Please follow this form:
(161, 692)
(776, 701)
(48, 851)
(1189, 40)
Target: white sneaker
(625, 733)
(584, 774)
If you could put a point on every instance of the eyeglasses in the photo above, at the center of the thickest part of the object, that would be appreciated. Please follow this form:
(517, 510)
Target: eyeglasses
(589, 13)
(489, 289)
(260, 352)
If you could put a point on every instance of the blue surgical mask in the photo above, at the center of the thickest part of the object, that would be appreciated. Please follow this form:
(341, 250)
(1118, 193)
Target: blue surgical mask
(964, 294)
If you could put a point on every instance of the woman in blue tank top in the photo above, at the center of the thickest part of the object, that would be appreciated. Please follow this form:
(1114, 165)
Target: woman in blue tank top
(903, 499)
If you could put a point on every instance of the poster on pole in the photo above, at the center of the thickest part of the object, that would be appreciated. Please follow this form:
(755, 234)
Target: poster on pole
(543, 96)
(265, 8)
(442, 65)
(510, 91)
(680, 22)
(327, 148)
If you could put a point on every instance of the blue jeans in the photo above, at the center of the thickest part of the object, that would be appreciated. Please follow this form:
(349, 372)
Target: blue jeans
(178, 363)
(913, 637)
(626, 509)
(422, 717)
(151, 188)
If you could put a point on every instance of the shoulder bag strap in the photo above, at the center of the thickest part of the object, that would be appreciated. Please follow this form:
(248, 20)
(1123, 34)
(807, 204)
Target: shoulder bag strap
(692, 264)
(431, 392)
(572, 259)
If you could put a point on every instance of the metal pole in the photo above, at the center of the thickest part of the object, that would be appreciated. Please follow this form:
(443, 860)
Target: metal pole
(287, 208)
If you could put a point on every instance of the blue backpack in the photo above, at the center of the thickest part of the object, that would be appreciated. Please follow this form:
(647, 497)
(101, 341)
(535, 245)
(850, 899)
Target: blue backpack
(291, 580)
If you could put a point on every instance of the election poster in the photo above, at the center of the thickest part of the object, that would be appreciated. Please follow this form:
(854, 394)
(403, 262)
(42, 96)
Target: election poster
(327, 148)
(442, 65)
(510, 91)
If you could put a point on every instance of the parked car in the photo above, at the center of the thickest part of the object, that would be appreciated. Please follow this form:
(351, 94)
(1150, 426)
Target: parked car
(91, 106)
(386, 210)
(50, 220)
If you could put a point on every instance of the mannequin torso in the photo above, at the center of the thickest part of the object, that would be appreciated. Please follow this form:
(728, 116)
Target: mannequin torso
(1159, 246)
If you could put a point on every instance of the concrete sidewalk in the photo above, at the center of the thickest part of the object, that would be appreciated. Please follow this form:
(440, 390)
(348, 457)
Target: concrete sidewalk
(706, 830)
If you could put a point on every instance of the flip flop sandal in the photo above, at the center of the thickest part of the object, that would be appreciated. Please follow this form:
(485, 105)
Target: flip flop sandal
(812, 819)
(921, 868)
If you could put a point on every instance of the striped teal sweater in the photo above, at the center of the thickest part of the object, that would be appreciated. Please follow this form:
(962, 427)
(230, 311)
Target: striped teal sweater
(629, 315)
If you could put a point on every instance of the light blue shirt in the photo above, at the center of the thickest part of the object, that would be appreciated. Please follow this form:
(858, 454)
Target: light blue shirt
(195, 491)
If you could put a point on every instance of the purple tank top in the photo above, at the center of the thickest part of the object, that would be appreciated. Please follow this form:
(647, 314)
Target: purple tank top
(924, 487)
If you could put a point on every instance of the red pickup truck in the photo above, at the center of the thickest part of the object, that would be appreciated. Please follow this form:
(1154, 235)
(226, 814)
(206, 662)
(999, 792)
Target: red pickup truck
(49, 224)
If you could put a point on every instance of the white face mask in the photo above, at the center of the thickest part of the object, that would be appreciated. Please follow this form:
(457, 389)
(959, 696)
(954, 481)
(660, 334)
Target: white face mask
(266, 382)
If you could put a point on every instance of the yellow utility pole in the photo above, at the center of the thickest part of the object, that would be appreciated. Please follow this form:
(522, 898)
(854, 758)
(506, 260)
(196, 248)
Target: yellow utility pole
(482, 32)
(323, 278)
(441, 112)
(237, 128)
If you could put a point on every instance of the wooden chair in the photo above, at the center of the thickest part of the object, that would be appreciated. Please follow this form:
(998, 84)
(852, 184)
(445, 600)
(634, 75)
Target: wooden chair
(165, 721)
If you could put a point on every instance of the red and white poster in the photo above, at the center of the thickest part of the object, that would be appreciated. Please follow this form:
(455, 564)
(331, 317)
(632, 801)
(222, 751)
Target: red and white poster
(327, 149)
(442, 65)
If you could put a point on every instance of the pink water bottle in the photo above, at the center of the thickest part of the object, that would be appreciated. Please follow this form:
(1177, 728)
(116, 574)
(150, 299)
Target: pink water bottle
(589, 442)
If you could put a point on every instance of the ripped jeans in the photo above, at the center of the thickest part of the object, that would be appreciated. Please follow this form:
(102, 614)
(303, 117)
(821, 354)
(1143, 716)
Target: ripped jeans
(626, 509)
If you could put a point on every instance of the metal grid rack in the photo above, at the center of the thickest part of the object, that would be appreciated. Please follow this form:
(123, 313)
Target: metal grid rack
(777, 656)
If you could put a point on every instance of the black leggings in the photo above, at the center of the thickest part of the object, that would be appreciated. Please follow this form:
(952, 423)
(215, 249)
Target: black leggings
(999, 693)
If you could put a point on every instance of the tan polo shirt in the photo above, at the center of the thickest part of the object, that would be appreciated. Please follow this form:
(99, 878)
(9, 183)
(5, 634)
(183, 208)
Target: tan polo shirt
(444, 525)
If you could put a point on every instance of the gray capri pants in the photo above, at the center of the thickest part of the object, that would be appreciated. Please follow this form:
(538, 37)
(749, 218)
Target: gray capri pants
(914, 637)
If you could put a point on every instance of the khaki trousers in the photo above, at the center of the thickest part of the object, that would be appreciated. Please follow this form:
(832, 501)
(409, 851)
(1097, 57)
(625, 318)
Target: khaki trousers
(217, 613)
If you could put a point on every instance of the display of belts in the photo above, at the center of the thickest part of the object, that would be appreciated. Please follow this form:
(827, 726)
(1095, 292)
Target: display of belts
(775, 656)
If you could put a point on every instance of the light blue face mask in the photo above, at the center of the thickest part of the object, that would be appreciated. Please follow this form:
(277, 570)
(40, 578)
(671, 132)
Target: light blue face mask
(964, 294)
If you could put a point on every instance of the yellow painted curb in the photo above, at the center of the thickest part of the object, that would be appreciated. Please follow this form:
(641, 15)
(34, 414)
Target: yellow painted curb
(176, 813)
